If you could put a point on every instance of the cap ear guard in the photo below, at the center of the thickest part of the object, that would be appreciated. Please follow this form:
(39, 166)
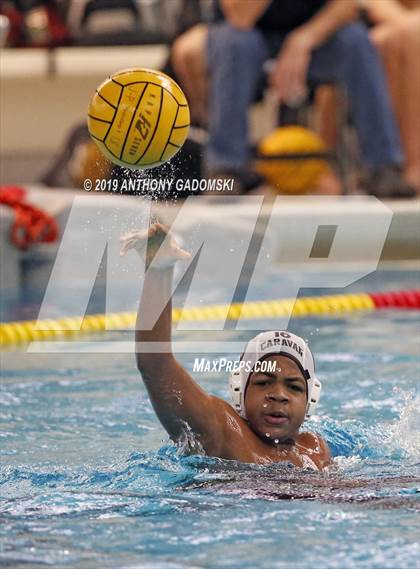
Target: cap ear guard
(236, 392)
(313, 397)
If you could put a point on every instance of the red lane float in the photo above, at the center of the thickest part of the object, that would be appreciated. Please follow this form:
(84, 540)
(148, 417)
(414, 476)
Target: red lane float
(396, 299)
(31, 224)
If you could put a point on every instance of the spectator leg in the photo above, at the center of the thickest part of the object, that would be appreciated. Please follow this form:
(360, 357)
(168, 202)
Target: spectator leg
(399, 47)
(235, 59)
(350, 58)
(188, 55)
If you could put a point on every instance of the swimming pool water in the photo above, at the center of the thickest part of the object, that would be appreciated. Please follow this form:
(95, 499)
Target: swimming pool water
(89, 479)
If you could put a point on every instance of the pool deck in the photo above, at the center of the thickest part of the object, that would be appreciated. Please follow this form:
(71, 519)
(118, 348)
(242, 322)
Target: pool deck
(221, 216)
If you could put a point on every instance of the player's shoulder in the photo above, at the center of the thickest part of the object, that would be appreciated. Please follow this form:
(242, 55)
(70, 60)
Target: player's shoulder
(314, 443)
(219, 402)
(229, 419)
(226, 423)
(224, 409)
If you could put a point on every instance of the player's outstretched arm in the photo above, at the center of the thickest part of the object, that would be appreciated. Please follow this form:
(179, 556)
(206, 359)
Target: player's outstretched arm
(177, 399)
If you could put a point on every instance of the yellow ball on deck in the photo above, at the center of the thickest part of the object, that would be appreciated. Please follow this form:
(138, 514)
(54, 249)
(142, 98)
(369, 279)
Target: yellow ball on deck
(294, 175)
(139, 118)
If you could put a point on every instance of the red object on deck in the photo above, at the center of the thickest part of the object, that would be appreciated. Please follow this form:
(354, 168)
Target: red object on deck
(399, 299)
(31, 224)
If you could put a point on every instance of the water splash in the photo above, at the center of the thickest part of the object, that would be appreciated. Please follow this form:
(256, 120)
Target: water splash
(405, 432)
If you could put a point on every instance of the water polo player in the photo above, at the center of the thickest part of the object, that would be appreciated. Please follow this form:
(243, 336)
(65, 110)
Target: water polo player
(270, 403)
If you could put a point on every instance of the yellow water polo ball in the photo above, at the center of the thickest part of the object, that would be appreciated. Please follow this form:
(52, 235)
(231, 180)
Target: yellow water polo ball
(294, 175)
(139, 118)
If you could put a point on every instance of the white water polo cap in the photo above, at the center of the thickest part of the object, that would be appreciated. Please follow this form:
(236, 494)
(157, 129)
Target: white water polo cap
(280, 343)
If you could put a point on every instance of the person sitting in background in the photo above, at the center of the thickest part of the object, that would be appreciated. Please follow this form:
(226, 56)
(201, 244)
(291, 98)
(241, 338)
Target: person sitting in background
(313, 41)
(396, 34)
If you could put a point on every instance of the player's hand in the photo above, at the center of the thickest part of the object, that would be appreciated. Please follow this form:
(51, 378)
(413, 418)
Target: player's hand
(289, 75)
(154, 244)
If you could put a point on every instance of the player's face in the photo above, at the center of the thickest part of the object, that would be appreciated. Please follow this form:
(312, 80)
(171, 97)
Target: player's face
(275, 401)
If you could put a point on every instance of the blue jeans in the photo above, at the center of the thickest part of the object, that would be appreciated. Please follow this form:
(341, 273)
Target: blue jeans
(235, 59)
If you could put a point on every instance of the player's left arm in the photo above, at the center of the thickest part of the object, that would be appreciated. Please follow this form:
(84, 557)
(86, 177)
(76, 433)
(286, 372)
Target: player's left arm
(291, 69)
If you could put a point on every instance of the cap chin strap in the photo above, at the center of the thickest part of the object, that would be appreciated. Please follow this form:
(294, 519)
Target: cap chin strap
(237, 392)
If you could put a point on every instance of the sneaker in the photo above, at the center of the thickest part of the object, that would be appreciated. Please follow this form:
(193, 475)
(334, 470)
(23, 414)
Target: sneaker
(388, 183)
